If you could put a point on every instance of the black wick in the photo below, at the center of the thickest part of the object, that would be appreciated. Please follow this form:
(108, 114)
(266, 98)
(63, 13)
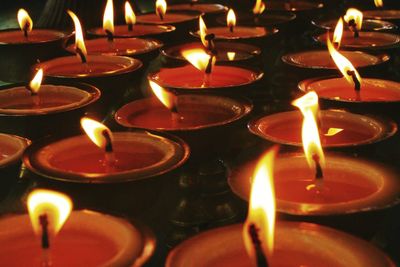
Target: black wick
(45, 234)
(261, 258)
(318, 169)
(211, 51)
(353, 25)
(110, 36)
(109, 146)
(81, 55)
(357, 84)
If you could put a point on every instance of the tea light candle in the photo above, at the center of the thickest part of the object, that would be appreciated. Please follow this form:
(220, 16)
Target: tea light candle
(12, 147)
(204, 8)
(295, 245)
(367, 25)
(294, 6)
(174, 18)
(382, 14)
(138, 30)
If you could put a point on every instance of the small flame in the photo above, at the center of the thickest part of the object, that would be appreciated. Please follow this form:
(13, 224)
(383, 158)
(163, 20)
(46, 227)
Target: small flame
(130, 17)
(161, 8)
(308, 105)
(355, 15)
(337, 34)
(231, 18)
(198, 58)
(344, 65)
(108, 18)
(231, 55)
(165, 97)
(378, 3)
(203, 31)
(333, 131)
(96, 131)
(262, 205)
(259, 7)
(79, 41)
(56, 206)
(24, 20)
(34, 84)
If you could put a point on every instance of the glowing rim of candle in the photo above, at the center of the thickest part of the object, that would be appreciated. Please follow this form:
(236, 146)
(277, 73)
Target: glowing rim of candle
(260, 32)
(132, 229)
(387, 127)
(369, 14)
(34, 161)
(230, 237)
(59, 36)
(191, 15)
(245, 104)
(380, 25)
(303, 87)
(19, 143)
(218, 8)
(246, 19)
(387, 193)
(381, 58)
(99, 32)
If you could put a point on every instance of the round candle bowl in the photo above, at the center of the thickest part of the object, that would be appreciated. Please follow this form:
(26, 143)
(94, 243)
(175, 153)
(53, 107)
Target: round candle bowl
(392, 15)
(143, 49)
(295, 244)
(60, 107)
(142, 173)
(209, 11)
(353, 189)
(117, 77)
(226, 52)
(19, 55)
(207, 123)
(285, 128)
(87, 237)
(367, 25)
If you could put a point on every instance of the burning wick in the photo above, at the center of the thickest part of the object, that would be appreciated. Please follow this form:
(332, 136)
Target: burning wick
(353, 27)
(44, 223)
(109, 158)
(130, 27)
(261, 258)
(318, 169)
(25, 29)
(357, 84)
(82, 55)
(110, 35)
(211, 51)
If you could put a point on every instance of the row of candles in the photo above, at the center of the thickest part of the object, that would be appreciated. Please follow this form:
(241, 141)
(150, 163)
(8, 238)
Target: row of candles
(310, 184)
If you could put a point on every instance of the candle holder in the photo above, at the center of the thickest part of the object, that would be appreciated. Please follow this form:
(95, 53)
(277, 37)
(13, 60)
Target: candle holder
(367, 25)
(392, 15)
(210, 11)
(19, 54)
(59, 102)
(122, 243)
(224, 246)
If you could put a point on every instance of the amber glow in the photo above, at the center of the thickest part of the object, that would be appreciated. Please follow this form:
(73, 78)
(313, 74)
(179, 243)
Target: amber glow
(231, 55)
(259, 7)
(34, 84)
(198, 58)
(203, 31)
(161, 8)
(56, 206)
(231, 18)
(24, 20)
(343, 64)
(337, 34)
(108, 17)
(96, 131)
(308, 105)
(378, 3)
(130, 17)
(262, 205)
(165, 97)
(333, 131)
(79, 42)
(356, 15)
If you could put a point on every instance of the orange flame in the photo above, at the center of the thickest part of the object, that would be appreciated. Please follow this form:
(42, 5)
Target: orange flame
(231, 18)
(338, 33)
(262, 205)
(56, 206)
(308, 105)
(165, 97)
(343, 64)
(231, 55)
(34, 84)
(130, 17)
(198, 58)
(108, 17)
(259, 7)
(79, 41)
(356, 15)
(161, 8)
(24, 20)
(203, 31)
(96, 131)
(378, 3)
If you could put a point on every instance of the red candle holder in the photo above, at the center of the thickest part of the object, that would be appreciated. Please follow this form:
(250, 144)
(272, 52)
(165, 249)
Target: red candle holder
(367, 25)
(392, 15)
(210, 11)
(19, 54)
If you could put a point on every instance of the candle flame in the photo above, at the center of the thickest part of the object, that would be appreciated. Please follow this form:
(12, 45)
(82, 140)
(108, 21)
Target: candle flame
(338, 33)
(79, 41)
(262, 205)
(203, 32)
(56, 206)
(344, 65)
(165, 97)
(378, 3)
(130, 17)
(161, 8)
(259, 7)
(36, 82)
(24, 20)
(96, 131)
(231, 55)
(308, 105)
(198, 58)
(231, 18)
(354, 15)
(108, 17)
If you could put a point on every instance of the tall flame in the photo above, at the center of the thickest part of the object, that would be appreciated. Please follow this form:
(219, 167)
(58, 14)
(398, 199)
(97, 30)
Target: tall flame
(198, 58)
(130, 17)
(378, 3)
(161, 8)
(337, 34)
(56, 206)
(24, 20)
(231, 18)
(262, 205)
(79, 41)
(344, 65)
(96, 131)
(108, 17)
(259, 7)
(165, 97)
(355, 15)
(203, 31)
(34, 84)
(308, 105)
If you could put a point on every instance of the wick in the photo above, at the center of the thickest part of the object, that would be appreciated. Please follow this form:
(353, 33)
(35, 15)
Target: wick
(209, 65)
(110, 36)
(25, 29)
(130, 27)
(353, 26)
(109, 157)
(211, 45)
(45, 234)
(34, 95)
(81, 55)
(261, 258)
(319, 175)
(357, 84)
(160, 14)
(231, 28)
